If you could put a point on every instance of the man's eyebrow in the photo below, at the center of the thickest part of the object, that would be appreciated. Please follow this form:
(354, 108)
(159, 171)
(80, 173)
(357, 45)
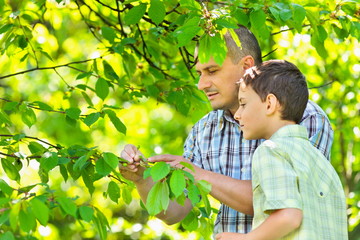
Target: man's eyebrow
(208, 67)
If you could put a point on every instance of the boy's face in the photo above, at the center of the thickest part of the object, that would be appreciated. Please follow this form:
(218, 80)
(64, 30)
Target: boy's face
(251, 113)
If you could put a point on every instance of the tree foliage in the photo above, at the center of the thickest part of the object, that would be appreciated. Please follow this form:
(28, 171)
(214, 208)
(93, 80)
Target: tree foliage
(79, 78)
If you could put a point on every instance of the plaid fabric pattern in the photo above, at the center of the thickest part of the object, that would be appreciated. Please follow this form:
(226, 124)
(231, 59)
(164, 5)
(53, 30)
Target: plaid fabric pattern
(288, 172)
(215, 143)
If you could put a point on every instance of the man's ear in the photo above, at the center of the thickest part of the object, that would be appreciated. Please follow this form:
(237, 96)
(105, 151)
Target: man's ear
(247, 62)
(272, 104)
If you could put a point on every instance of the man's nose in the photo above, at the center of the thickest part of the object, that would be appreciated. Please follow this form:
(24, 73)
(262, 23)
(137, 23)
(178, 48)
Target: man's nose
(203, 83)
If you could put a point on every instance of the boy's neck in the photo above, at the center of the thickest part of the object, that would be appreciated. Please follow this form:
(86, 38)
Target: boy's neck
(274, 126)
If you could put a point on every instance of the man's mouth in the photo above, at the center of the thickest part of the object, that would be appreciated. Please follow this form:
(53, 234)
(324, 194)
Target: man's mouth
(211, 95)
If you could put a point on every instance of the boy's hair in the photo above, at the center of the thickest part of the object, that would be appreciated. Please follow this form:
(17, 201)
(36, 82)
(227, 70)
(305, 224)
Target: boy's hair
(285, 81)
(249, 45)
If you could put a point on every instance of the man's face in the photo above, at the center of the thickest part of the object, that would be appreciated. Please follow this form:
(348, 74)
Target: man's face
(219, 83)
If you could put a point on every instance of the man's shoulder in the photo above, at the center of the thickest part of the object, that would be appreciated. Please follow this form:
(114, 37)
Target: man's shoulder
(312, 109)
(211, 117)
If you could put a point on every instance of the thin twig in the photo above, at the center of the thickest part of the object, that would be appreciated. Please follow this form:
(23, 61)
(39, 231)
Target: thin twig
(34, 138)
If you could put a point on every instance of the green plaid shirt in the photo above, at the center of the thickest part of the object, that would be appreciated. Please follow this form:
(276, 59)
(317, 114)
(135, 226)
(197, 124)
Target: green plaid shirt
(289, 172)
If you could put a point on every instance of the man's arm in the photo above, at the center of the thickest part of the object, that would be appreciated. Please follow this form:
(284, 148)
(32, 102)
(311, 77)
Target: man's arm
(134, 172)
(234, 193)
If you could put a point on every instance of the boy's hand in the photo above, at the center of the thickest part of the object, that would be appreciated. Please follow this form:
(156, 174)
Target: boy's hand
(230, 236)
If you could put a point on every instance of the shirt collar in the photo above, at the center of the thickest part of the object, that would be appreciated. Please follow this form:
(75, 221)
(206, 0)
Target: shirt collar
(225, 115)
(293, 130)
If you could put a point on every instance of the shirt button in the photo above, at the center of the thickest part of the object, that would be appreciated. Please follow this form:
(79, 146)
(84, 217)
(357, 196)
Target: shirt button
(321, 194)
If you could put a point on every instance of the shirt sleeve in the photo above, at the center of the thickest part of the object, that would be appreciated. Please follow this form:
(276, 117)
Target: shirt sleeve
(276, 179)
(319, 128)
(191, 149)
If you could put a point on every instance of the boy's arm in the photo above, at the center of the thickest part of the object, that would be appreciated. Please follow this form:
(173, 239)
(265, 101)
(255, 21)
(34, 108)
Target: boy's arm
(279, 224)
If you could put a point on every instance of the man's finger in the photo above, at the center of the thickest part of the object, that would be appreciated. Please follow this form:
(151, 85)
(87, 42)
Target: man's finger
(163, 158)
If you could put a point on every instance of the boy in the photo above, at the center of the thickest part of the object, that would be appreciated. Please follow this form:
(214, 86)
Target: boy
(296, 192)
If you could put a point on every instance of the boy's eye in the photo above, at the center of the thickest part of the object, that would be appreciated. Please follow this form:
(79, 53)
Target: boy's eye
(242, 105)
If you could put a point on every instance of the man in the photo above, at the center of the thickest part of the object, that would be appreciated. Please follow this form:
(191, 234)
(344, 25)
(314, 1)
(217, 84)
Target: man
(216, 146)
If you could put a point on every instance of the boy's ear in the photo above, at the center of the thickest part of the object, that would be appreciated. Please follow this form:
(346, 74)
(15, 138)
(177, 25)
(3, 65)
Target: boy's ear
(272, 104)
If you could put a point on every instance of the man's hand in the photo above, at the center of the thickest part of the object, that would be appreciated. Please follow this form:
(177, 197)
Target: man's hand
(173, 160)
(230, 236)
(132, 170)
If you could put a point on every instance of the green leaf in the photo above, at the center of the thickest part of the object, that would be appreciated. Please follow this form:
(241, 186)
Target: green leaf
(135, 14)
(27, 115)
(177, 182)
(186, 33)
(108, 33)
(188, 165)
(299, 14)
(14, 215)
(86, 213)
(36, 148)
(204, 52)
(91, 118)
(87, 175)
(158, 198)
(157, 11)
(40, 210)
(67, 205)
(7, 236)
(111, 159)
(64, 172)
(159, 170)
(113, 191)
(43, 106)
(241, 17)
(4, 118)
(6, 28)
(49, 161)
(258, 24)
(80, 163)
(10, 170)
(5, 188)
(116, 121)
(126, 195)
(27, 221)
(204, 187)
(190, 222)
(109, 71)
(87, 98)
(73, 113)
(9, 106)
(4, 201)
(102, 167)
(101, 223)
(218, 48)
(193, 194)
(102, 88)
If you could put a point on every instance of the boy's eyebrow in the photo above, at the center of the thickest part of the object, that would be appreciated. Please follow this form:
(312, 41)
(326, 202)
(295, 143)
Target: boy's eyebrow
(241, 99)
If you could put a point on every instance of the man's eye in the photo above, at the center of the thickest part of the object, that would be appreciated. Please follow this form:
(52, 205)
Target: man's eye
(212, 71)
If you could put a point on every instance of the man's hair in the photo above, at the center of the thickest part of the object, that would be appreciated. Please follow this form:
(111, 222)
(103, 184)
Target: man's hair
(249, 45)
(285, 81)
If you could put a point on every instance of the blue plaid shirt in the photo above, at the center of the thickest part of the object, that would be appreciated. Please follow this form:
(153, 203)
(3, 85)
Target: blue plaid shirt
(216, 144)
